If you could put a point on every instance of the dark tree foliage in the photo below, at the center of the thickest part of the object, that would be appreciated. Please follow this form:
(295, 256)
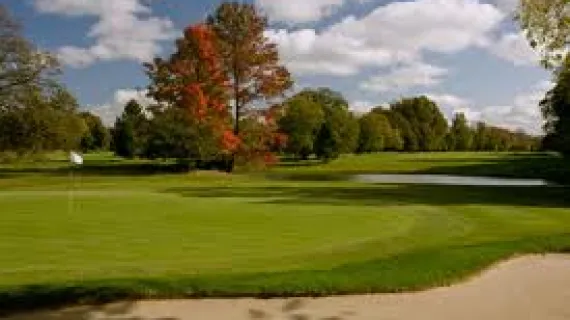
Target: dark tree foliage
(556, 111)
(460, 137)
(491, 138)
(46, 119)
(37, 114)
(377, 134)
(301, 123)
(97, 137)
(421, 124)
(130, 131)
(173, 133)
(339, 132)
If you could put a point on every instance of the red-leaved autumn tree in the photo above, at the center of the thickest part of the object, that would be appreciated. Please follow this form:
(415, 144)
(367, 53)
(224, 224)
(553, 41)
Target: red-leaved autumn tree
(260, 138)
(251, 64)
(224, 64)
(192, 80)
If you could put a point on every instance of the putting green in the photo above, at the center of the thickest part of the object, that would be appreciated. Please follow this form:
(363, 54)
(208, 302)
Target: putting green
(133, 236)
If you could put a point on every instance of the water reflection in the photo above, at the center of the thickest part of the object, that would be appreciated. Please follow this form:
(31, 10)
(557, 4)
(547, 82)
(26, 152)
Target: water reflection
(445, 180)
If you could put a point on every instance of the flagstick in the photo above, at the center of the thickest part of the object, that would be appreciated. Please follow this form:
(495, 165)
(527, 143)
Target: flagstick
(70, 193)
(74, 160)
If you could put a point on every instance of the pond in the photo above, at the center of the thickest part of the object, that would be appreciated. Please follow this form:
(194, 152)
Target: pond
(445, 180)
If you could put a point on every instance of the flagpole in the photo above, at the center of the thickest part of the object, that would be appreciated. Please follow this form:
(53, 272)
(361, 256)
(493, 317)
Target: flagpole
(70, 191)
(74, 159)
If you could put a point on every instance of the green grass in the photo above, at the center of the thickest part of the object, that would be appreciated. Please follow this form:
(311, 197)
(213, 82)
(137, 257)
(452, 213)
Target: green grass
(133, 235)
(516, 165)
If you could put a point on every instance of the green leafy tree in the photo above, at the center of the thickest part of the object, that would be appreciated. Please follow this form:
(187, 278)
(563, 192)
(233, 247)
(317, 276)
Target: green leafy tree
(174, 134)
(409, 140)
(376, 134)
(480, 137)
(420, 122)
(37, 114)
(547, 26)
(45, 120)
(339, 132)
(97, 136)
(491, 138)
(301, 123)
(338, 135)
(556, 110)
(461, 136)
(129, 133)
(22, 65)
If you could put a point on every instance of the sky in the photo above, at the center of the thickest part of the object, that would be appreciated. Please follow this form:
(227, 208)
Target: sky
(467, 55)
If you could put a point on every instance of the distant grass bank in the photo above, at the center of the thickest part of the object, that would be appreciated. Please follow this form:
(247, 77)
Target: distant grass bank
(114, 232)
(546, 166)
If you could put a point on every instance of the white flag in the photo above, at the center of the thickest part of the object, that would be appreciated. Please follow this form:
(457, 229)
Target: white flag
(75, 158)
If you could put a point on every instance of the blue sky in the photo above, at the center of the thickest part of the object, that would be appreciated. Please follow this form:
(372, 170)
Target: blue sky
(467, 55)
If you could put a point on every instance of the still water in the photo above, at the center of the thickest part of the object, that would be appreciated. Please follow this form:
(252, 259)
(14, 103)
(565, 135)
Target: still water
(445, 180)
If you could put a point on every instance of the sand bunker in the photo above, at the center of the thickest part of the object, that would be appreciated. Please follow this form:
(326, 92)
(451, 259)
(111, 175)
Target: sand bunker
(531, 287)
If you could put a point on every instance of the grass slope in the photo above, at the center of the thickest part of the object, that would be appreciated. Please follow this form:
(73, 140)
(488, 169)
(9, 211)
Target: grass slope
(515, 165)
(129, 235)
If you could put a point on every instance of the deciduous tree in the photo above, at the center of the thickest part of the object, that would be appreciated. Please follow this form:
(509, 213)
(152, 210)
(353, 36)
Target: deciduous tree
(129, 133)
(377, 134)
(97, 136)
(556, 110)
(421, 123)
(339, 132)
(193, 80)
(45, 119)
(547, 26)
(21, 63)
(301, 123)
(249, 60)
(460, 135)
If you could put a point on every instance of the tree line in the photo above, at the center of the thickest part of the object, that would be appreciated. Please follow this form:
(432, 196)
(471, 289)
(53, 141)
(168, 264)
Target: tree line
(318, 122)
(223, 97)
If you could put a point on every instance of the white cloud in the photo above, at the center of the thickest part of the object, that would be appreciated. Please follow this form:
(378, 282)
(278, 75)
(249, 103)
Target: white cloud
(308, 52)
(522, 113)
(361, 106)
(111, 111)
(124, 30)
(451, 104)
(507, 6)
(395, 32)
(448, 100)
(515, 48)
(405, 77)
(298, 11)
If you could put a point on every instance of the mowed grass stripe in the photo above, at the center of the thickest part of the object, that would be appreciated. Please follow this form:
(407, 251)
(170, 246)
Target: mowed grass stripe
(187, 236)
(138, 236)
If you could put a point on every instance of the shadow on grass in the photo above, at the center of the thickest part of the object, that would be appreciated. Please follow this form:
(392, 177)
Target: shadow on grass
(96, 169)
(382, 195)
(551, 168)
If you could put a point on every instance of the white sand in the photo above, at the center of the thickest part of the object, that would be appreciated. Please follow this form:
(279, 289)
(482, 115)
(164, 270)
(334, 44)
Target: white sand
(532, 287)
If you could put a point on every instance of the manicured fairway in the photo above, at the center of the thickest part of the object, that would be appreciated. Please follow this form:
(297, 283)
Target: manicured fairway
(212, 234)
